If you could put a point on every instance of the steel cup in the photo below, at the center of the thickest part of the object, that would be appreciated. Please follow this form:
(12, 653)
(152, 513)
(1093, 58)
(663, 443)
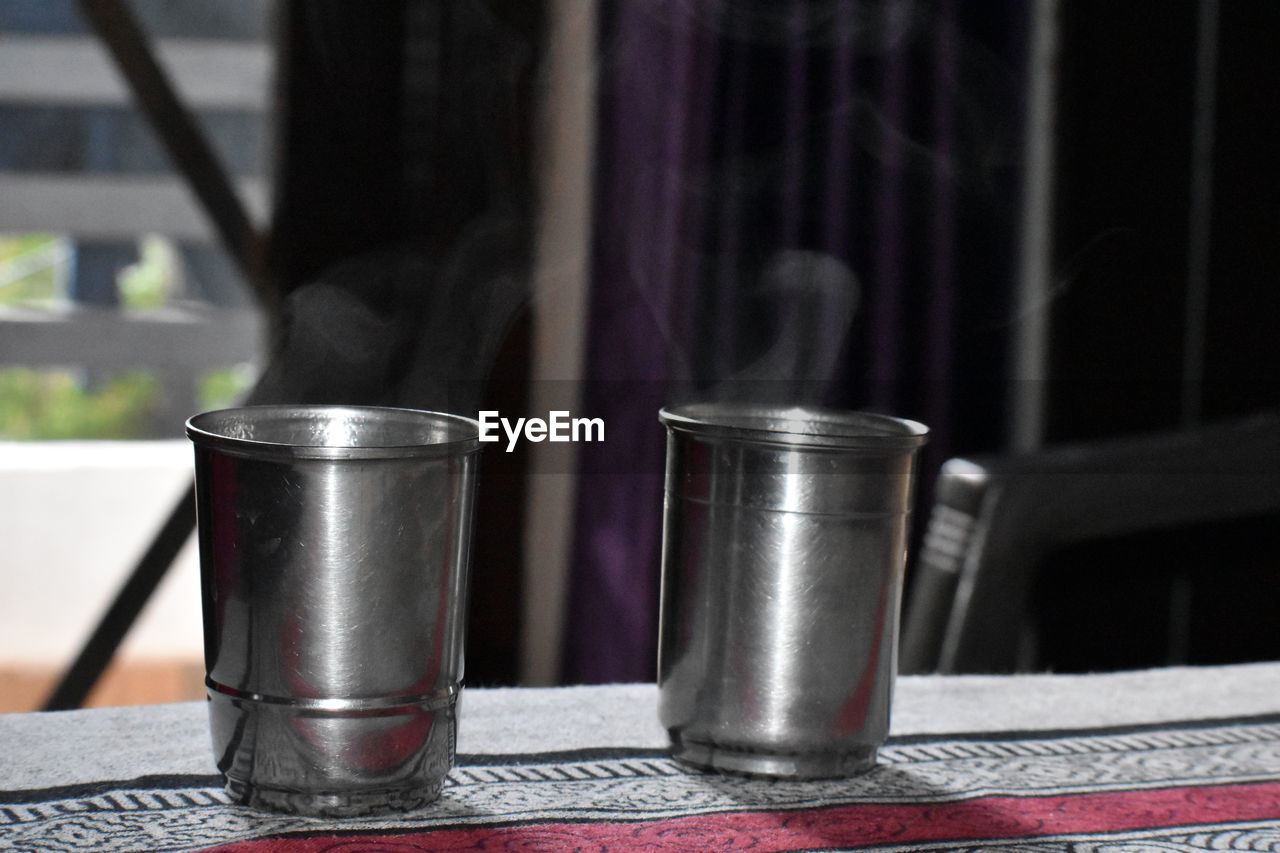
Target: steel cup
(784, 545)
(334, 558)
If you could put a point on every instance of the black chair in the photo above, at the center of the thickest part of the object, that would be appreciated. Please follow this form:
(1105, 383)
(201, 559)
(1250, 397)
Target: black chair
(983, 575)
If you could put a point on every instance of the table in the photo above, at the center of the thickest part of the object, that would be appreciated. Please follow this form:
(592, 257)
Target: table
(1174, 759)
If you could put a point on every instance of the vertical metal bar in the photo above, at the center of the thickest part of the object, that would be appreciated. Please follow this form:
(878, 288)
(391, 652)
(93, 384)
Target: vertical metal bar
(1199, 245)
(1199, 230)
(1030, 357)
(560, 278)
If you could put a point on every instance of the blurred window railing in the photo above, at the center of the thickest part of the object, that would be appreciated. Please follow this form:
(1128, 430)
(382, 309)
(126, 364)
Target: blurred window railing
(181, 347)
(87, 193)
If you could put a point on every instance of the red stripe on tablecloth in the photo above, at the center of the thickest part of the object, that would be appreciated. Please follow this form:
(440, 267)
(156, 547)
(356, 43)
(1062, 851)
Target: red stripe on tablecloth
(984, 818)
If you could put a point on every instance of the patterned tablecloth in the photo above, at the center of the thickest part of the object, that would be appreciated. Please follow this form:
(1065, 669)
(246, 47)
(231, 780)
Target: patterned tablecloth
(1178, 759)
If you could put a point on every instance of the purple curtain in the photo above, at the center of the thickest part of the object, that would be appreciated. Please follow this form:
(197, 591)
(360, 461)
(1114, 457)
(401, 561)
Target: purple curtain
(802, 201)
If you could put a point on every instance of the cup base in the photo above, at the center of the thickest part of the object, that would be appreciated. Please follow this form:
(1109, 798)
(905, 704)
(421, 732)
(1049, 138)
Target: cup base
(284, 758)
(338, 805)
(774, 764)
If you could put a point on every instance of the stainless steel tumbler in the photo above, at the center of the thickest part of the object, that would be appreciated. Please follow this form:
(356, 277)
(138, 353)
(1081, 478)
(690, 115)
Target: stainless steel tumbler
(334, 559)
(784, 544)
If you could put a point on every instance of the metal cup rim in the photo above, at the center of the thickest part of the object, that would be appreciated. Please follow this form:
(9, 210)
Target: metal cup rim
(200, 430)
(795, 425)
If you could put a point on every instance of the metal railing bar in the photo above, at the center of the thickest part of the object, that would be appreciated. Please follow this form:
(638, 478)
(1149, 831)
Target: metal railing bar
(209, 74)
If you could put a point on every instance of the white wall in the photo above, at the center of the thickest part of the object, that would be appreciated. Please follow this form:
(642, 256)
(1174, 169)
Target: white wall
(74, 518)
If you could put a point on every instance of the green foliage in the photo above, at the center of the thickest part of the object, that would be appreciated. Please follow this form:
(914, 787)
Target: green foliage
(36, 405)
(227, 387)
(56, 404)
(38, 285)
(146, 284)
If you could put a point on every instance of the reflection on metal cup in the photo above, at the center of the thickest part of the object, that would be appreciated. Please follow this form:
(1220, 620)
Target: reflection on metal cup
(784, 545)
(334, 560)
